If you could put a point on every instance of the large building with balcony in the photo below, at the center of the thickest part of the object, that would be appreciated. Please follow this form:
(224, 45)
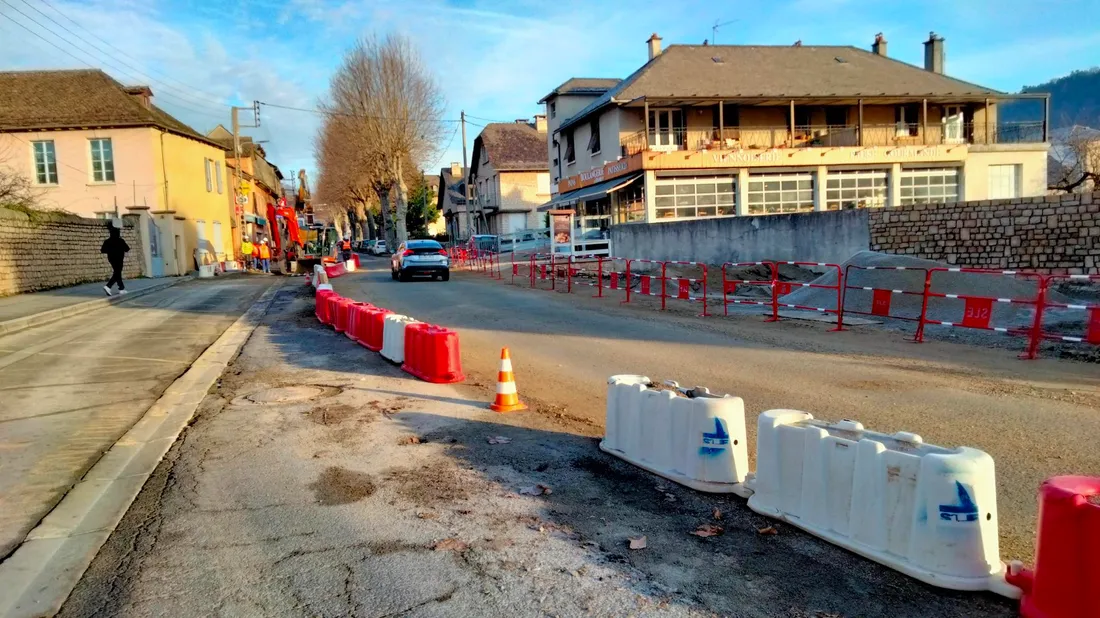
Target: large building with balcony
(713, 131)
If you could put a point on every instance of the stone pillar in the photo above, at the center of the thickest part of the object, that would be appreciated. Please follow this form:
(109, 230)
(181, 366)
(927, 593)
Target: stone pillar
(137, 222)
(893, 186)
(742, 192)
(819, 188)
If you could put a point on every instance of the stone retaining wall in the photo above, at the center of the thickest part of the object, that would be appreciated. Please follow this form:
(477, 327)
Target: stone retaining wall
(42, 250)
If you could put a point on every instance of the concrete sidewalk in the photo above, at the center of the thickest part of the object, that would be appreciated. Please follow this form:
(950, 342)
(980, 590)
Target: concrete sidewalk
(36, 308)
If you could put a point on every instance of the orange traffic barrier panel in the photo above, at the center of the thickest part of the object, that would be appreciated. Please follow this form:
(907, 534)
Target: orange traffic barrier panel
(507, 399)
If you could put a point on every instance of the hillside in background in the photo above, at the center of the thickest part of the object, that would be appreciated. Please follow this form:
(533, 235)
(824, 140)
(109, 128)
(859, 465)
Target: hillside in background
(1074, 99)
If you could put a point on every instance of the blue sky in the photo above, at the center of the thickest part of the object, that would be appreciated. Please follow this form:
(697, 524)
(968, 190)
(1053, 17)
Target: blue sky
(496, 58)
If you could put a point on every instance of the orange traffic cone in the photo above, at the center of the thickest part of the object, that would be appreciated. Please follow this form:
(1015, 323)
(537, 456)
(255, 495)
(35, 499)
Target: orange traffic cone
(507, 400)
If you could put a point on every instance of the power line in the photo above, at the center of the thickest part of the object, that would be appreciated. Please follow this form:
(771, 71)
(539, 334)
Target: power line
(321, 112)
(468, 116)
(183, 104)
(443, 152)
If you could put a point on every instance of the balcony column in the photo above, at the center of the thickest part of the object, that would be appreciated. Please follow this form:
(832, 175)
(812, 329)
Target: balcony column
(924, 121)
(987, 120)
(1046, 118)
(645, 117)
(819, 188)
(742, 197)
(721, 126)
(861, 123)
(790, 136)
(893, 186)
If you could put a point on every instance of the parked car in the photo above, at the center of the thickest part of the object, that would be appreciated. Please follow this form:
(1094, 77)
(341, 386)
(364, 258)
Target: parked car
(420, 258)
(378, 247)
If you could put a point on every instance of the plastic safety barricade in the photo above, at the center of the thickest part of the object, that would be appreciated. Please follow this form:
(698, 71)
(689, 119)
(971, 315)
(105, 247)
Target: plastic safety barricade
(786, 287)
(972, 310)
(335, 270)
(340, 314)
(321, 308)
(1090, 310)
(732, 284)
(371, 325)
(649, 284)
(866, 291)
(393, 336)
(927, 511)
(351, 328)
(432, 354)
(691, 289)
(697, 439)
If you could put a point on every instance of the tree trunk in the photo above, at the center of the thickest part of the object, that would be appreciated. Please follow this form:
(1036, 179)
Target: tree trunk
(387, 224)
(401, 199)
(353, 221)
(371, 235)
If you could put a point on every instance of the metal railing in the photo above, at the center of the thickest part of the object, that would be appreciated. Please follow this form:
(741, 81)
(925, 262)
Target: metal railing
(831, 136)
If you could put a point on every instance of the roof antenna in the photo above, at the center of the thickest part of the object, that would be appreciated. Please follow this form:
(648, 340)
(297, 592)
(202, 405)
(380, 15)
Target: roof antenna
(716, 26)
(798, 43)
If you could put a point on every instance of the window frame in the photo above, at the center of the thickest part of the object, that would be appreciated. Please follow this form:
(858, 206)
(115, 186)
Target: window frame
(103, 163)
(570, 149)
(679, 186)
(49, 149)
(912, 187)
(765, 193)
(594, 137)
(878, 182)
(553, 109)
(218, 176)
(206, 166)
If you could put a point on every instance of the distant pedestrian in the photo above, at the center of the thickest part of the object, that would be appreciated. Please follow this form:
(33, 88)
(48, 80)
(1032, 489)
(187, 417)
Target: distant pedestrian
(345, 249)
(115, 248)
(265, 256)
(256, 255)
(246, 253)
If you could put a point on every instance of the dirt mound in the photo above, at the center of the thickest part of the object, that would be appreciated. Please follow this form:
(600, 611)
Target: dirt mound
(905, 278)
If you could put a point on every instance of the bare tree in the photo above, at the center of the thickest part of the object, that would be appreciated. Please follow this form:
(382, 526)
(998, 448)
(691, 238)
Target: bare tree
(1074, 159)
(16, 190)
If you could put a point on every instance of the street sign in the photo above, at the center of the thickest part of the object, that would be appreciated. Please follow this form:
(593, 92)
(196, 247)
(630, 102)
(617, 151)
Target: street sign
(242, 199)
(282, 202)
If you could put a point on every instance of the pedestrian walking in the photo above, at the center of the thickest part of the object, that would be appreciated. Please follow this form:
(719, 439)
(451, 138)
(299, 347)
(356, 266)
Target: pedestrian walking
(265, 256)
(115, 248)
(345, 249)
(256, 255)
(246, 252)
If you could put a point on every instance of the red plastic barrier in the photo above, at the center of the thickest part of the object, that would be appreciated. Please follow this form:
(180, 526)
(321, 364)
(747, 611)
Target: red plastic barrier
(322, 303)
(351, 329)
(784, 288)
(682, 285)
(729, 286)
(977, 310)
(355, 259)
(335, 270)
(432, 354)
(340, 314)
(881, 298)
(1067, 552)
(370, 324)
(1092, 313)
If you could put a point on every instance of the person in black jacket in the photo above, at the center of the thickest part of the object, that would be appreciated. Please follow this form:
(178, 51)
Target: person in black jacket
(115, 248)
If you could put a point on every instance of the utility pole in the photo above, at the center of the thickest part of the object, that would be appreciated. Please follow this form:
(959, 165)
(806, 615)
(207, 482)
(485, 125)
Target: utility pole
(237, 175)
(465, 176)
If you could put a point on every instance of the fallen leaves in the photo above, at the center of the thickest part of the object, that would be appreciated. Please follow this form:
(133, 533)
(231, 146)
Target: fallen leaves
(451, 544)
(407, 440)
(717, 514)
(708, 530)
(769, 530)
(638, 542)
(498, 440)
(427, 515)
(536, 490)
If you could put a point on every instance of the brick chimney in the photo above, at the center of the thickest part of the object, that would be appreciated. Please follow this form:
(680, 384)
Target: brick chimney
(654, 42)
(142, 94)
(933, 53)
(456, 169)
(540, 123)
(879, 46)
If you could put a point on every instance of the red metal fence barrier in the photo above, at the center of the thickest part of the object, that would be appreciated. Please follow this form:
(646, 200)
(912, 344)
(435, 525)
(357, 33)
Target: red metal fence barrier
(786, 287)
(730, 286)
(977, 311)
(645, 282)
(683, 286)
(1091, 309)
(882, 298)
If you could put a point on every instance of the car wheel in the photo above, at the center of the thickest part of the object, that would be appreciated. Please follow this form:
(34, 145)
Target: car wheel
(393, 274)
(446, 276)
(403, 276)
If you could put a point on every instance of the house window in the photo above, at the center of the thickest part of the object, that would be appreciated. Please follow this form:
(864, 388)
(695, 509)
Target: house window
(570, 156)
(594, 141)
(103, 160)
(630, 204)
(779, 193)
(930, 186)
(553, 109)
(45, 163)
(666, 128)
(218, 175)
(209, 184)
(856, 189)
(908, 120)
(692, 197)
(1004, 182)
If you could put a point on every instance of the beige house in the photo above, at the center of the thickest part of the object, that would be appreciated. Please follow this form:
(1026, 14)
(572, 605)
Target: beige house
(563, 103)
(509, 176)
(712, 131)
(95, 148)
(451, 201)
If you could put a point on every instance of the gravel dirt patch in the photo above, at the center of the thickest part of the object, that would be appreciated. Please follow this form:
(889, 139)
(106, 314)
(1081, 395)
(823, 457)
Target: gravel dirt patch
(341, 486)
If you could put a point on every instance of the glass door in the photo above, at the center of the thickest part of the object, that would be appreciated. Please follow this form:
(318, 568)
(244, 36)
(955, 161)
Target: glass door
(666, 129)
(953, 124)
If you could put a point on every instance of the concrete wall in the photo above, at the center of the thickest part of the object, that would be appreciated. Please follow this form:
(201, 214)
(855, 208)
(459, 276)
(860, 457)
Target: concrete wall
(825, 236)
(40, 251)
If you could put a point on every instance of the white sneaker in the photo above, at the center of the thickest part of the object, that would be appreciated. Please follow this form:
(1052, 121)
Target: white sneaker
(122, 292)
(107, 290)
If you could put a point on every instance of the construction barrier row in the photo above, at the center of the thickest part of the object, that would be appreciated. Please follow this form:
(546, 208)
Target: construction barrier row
(927, 511)
(428, 352)
(919, 295)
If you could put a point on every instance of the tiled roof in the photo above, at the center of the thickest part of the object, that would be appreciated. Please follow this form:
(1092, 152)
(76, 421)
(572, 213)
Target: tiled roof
(77, 99)
(761, 71)
(583, 85)
(512, 146)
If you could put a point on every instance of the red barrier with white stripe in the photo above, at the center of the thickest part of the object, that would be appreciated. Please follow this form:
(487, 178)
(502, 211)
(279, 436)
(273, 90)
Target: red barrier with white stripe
(646, 281)
(977, 311)
(684, 288)
(1091, 310)
(882, 298)
(782, 288)
(731, 284)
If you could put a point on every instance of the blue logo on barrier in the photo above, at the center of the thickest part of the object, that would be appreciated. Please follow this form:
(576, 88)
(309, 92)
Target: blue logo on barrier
(964, 511)
(716, 442)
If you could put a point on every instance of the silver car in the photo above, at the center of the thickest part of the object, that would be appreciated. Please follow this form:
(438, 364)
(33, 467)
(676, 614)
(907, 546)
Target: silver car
(425, 258)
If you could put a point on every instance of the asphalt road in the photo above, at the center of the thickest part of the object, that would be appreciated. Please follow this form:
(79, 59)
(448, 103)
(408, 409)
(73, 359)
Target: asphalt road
(1036, 418)
(70, 389)
(319, 480)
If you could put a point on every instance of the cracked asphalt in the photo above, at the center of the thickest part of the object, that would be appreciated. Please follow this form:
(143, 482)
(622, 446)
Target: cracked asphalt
(318, 480)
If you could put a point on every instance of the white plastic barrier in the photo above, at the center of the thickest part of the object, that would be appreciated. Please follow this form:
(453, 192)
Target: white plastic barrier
(927, 511)
(319, 275)
(393, 336)
(696, 440)
(324, 286)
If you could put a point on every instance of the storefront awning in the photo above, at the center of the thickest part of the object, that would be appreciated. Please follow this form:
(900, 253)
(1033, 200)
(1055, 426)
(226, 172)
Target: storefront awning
(251, 218)
(593, 191)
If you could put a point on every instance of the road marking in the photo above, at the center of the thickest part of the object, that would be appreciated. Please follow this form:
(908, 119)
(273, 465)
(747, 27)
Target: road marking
(111, 357)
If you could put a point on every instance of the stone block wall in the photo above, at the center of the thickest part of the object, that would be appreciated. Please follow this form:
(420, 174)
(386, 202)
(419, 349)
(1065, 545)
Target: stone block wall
(1051, 234)
(42, 250)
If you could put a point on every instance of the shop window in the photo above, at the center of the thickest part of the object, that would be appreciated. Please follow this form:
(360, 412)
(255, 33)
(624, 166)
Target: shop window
(856, 189)
(930, 185)
(770, 194)
(693, 197)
